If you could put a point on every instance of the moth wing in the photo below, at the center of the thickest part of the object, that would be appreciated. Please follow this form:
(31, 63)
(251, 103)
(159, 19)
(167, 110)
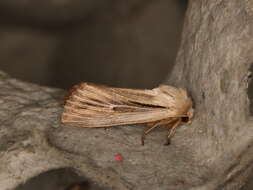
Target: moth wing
(102, 120)
(163, 96)
(91, 105)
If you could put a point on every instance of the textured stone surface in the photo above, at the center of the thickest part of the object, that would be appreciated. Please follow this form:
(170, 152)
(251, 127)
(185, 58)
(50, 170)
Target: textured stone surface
(214, 153)
(33, 141)
(27, 111)
(214, 64)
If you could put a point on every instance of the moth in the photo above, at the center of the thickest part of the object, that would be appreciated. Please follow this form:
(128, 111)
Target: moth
(93, 105)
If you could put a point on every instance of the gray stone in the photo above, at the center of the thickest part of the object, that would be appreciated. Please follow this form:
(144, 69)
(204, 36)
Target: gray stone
(213, 153)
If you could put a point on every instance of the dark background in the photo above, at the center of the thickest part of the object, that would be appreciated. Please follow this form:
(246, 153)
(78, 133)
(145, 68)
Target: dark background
(115, 42)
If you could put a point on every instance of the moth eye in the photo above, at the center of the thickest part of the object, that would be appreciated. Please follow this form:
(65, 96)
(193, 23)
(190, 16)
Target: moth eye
(185, 119)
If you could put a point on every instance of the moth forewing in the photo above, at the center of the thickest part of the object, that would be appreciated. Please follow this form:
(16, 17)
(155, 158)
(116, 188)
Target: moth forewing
(95, 119)
(92, 105)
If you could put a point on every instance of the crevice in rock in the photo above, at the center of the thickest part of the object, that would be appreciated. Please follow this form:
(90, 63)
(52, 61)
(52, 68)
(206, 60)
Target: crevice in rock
(250, 88)
(61, 179)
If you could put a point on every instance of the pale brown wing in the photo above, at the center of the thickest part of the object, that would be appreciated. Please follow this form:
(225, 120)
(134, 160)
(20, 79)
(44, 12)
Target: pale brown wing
(91, 105)
(163, 96)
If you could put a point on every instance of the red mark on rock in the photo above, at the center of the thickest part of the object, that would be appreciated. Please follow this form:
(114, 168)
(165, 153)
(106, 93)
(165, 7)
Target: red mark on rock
(118, 157)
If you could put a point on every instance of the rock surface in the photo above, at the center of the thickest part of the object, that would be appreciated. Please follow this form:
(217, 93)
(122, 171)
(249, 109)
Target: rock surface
(213, 153)
(33, 141)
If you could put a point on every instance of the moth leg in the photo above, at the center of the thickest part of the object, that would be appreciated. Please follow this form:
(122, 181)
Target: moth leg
(172, 131)
(147, 131)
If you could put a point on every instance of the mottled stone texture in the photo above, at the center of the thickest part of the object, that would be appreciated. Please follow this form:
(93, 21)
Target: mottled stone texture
(213, 63)
(33, 141)
(214, 153)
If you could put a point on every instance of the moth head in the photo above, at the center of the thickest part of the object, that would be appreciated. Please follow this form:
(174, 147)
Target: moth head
(190, 114)
(188, 118)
